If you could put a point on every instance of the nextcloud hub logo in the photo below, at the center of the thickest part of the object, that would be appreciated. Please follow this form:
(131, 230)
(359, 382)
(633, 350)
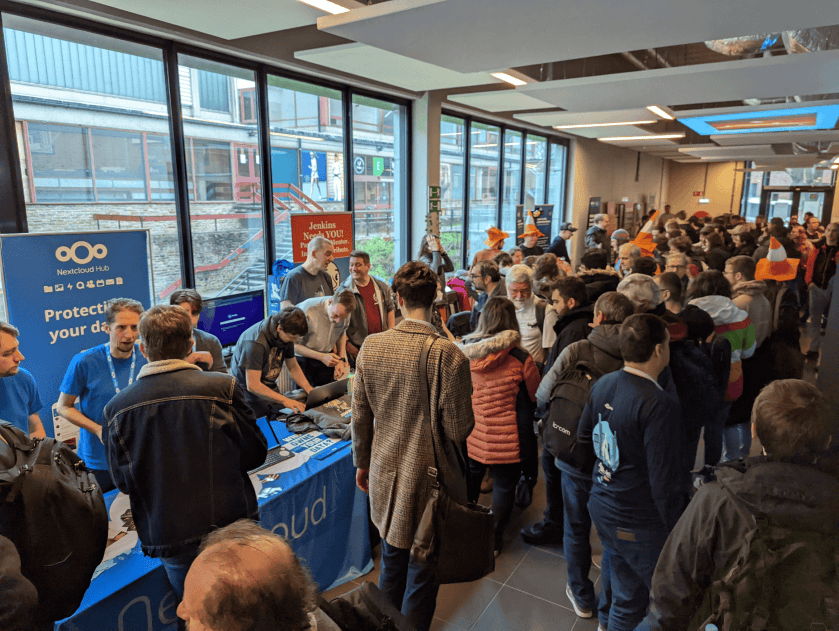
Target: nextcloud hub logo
(90, 252)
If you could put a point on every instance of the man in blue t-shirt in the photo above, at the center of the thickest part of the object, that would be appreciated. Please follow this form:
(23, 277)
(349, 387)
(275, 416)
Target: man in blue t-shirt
(19, 399)
(637, 493)
(95, 376)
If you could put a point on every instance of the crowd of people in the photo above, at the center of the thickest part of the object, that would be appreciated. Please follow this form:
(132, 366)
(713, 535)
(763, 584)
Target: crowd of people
(689, 331)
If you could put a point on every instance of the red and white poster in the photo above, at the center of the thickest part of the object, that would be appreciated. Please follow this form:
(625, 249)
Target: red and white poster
(337, 227)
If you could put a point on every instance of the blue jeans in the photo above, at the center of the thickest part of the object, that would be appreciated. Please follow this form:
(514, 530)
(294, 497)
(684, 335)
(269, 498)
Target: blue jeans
(176, 569)
(819, 304)
(629, 559)
(714, 428)
(576, 488)
(410, 587)
(554, 518)
(737, 442)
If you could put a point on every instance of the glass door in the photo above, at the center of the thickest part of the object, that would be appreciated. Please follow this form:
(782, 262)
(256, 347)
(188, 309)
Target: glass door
(779, 204)
(810, 202)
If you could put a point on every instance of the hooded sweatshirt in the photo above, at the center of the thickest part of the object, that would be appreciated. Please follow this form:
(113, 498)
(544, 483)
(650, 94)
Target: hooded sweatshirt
(710, 534)
(497, 377)
(734, 325)
(749, 295)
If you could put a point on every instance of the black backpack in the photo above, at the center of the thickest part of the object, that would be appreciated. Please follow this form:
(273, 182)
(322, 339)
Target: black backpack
(782, 578)
(365, 608)
(52, 510)
(568, 399)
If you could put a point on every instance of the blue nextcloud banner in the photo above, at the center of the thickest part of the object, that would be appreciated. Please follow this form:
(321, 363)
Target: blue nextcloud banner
(56, 287)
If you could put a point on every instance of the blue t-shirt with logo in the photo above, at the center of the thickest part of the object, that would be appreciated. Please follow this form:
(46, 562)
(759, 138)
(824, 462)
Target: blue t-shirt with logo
(89, 379)
(19, 398)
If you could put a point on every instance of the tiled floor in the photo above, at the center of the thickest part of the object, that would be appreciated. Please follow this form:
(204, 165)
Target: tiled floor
(526, 590)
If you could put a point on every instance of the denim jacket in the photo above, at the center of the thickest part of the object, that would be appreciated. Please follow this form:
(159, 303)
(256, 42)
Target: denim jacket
(180, 443)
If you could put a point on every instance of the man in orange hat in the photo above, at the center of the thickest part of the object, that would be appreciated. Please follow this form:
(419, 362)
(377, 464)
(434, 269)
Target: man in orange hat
(494, 242)
(530, 235)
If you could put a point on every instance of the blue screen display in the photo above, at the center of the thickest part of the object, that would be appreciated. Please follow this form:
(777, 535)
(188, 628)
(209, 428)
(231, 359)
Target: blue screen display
(228, 317)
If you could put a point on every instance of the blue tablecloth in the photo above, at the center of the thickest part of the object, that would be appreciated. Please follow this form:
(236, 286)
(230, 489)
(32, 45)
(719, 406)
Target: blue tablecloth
(316, 506)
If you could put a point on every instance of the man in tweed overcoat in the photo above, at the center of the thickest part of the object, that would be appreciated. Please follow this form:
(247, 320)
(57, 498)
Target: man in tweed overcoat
(389, 447)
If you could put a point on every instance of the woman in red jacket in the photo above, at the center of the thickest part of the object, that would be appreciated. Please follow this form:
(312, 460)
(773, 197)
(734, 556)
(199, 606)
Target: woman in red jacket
(504, 383)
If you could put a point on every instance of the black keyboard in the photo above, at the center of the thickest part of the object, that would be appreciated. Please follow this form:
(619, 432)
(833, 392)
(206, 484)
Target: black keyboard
(278, 454)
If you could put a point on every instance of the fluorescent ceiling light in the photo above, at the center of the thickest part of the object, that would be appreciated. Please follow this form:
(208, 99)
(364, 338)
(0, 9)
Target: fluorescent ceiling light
(834, 166)
(655, 109)
(648, 137)
(326, 5)
(836, 160)
(508, 78)
(585, 125)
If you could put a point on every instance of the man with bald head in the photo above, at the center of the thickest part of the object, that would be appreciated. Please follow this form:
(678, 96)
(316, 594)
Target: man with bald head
(247, 578)
(310, 280)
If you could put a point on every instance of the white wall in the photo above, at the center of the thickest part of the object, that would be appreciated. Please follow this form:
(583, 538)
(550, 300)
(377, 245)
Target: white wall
(605, 171)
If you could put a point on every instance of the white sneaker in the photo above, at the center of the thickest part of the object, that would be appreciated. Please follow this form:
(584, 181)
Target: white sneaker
(582, 613)
(600, 627)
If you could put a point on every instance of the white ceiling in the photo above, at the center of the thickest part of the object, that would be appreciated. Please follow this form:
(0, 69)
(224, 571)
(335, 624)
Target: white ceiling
(767, 138)
(470, 36)
(549, 119)
(391, 68)
(811, 73)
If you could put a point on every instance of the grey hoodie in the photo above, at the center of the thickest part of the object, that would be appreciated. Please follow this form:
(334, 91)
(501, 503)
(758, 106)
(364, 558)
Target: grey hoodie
(602, 343)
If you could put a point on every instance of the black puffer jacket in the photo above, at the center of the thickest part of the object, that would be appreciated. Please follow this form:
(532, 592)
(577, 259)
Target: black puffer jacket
(710, 533)
(570, 328)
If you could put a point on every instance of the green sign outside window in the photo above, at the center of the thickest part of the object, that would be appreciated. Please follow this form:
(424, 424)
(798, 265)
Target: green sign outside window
(378, 166)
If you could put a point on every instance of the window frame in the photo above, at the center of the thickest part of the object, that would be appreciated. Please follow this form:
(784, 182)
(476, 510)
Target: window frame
(13, 195)
(550, 139)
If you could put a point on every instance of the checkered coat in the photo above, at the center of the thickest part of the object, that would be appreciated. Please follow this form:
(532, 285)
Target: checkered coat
(387, 425)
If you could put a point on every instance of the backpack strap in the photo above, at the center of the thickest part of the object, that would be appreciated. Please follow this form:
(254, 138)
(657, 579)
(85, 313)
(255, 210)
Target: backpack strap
(520, 354)
(541, 307)
(15, 438)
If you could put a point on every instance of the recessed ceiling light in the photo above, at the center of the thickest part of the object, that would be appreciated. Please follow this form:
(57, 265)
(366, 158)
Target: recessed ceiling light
(326, 5)
(649, 137)
(834, 166)
(509, 78)
(655, 109)
(585, 125)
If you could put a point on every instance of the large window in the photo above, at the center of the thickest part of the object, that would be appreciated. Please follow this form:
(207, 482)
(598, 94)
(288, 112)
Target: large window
(484, 157)
(535, 154)
(93, 135)
(512, 180)
(379, 171)
(452, 155)
(223, 166)
(307, 153)
(556, 185)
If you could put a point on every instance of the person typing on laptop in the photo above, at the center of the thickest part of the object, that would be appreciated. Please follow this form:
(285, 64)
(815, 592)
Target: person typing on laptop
(259, 357)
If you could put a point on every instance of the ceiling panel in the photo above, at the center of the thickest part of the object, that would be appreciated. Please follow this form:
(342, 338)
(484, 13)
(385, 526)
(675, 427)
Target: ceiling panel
(776, 138)
(381, 65)
(227, 20)
(605, 132)
(499, 101)
(550, 119)
(712, 111)
(739, 152)
(811, 73)
(470, 36)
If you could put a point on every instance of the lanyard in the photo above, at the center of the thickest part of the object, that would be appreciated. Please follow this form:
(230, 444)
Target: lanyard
(113, 370)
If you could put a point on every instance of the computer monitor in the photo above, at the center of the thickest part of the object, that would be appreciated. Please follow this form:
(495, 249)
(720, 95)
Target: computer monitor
(230, 316)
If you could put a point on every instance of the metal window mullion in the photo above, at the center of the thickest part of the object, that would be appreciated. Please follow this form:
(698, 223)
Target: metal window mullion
(179, 171)
(349, 172)
(500, 187)
(267, 176)
(467, 173)
(523, 166)
(547, 169)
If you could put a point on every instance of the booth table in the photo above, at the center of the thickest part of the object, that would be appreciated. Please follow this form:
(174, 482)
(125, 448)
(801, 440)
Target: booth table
(311, 500)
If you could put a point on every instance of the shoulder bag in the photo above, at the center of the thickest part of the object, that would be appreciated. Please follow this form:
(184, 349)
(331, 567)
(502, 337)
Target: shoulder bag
(456, 541)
